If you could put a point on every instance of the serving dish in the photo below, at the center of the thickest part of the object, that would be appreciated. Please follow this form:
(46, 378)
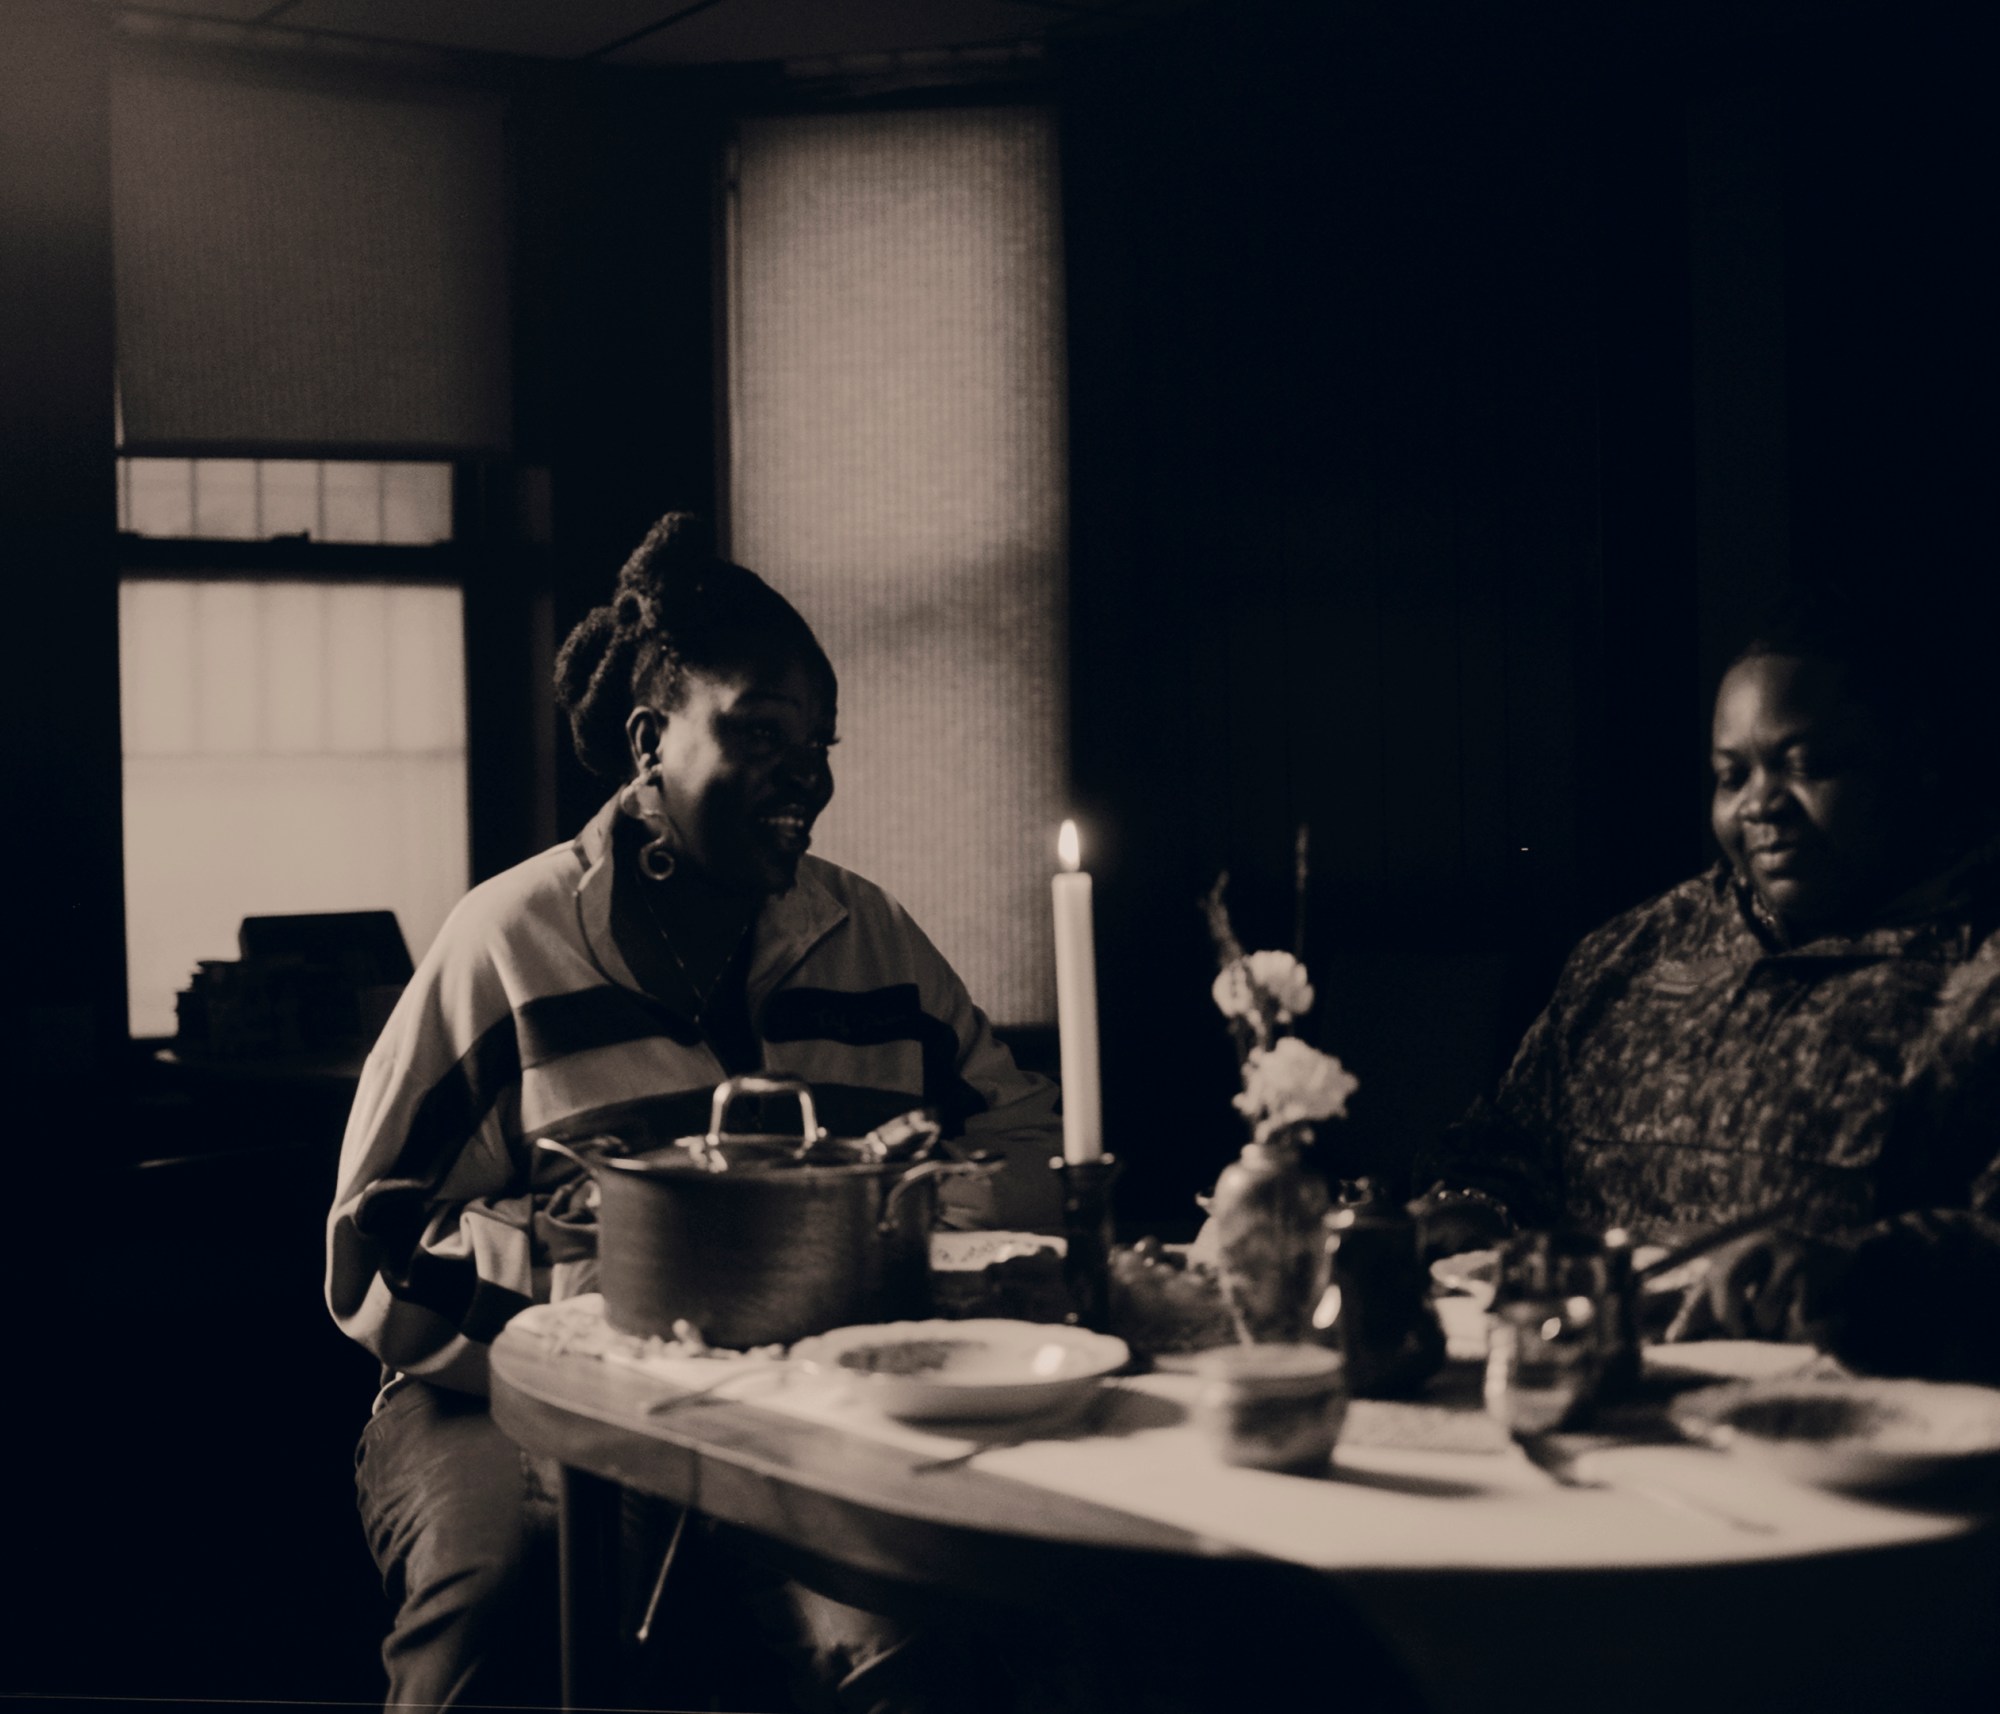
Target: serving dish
(1834, 1433)
(981, 1370)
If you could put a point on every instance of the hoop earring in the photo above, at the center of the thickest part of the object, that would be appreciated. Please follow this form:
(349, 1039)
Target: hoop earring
(643, 801)
(655, 859)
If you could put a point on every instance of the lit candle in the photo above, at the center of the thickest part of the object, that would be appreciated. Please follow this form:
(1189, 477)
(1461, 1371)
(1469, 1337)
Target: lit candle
(1076, 1005)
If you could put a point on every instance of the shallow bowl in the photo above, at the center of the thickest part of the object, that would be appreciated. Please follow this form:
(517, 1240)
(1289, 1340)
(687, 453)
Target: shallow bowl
(980, 1370)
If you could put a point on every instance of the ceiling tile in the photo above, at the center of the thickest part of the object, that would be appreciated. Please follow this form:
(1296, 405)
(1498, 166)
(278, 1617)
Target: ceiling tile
(234, 11)
(553, 29)
(811, 29)
(681, 32)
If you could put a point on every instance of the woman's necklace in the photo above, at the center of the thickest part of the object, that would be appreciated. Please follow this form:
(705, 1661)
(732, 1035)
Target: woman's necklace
(702, 996)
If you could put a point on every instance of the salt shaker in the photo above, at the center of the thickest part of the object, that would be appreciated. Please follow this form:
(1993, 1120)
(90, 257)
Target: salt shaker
(1377, 1306)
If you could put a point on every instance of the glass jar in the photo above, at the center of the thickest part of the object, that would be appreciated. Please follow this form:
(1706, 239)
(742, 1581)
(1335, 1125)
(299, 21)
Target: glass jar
(1271, 1407)
(1544, 1363)
(1555, 1266)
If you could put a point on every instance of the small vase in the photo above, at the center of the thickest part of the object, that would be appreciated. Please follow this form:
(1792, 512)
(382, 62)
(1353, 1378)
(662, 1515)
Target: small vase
(1268, 1214)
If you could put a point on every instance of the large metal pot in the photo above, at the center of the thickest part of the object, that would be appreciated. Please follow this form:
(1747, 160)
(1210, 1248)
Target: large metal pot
(762, 1239)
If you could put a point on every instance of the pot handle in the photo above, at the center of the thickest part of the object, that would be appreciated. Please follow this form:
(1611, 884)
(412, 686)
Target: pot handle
(573, 1151)
(756, 1083)
(930, 1170)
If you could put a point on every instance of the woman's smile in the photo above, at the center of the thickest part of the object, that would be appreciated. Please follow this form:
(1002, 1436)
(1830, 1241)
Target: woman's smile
(789, 829)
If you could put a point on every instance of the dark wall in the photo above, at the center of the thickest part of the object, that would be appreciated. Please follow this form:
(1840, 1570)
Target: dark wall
(195, 1408)
(65, 1001)
(1449, 385)
(62, 1015)
(616, 371)
(1889, 141)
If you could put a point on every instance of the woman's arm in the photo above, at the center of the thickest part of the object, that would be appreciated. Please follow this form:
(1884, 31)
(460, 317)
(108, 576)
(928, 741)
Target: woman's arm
(989, 1101)
(429, 1244)
(1020, 1122)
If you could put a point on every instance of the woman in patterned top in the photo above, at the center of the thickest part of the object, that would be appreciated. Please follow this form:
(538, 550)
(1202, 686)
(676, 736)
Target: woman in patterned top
(1812, 1027)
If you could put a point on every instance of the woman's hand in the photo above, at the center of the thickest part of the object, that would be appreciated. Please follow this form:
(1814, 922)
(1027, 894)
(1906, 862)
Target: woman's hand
(1768, 1285)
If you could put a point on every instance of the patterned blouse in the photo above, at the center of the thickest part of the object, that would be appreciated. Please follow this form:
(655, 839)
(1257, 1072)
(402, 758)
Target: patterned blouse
(1694, 1066)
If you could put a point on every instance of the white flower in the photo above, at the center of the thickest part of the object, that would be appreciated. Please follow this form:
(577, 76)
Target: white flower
(1290, 1083)
(1260, 980)
(1233, 992)
(1283, 978)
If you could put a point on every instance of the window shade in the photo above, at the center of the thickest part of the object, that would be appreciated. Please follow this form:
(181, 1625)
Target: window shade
(305, 268)
(898, 470)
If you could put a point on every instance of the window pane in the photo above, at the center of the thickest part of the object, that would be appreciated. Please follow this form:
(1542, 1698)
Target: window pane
(162, 501)
(416, 504)
(158, 695)
(225, 499)
(256, 499)
(358, 617)
(256, 784)
(353, 507)
(228, 667)
(291, 496)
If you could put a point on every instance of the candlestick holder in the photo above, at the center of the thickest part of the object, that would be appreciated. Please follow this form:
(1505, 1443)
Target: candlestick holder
(1088, 1230)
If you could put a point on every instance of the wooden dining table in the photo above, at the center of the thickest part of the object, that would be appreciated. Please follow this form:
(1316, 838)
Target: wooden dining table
(1682, 1579)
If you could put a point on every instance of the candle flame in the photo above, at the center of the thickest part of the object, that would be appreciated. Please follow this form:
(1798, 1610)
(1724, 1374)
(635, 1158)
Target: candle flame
(1068, 847)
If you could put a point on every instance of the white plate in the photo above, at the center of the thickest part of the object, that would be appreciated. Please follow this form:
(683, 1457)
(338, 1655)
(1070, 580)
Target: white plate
(924, 1371)
(1835, 1433)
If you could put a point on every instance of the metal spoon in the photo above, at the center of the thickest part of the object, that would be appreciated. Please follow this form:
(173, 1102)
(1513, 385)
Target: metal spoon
(1085, 1421)
(660, 1407)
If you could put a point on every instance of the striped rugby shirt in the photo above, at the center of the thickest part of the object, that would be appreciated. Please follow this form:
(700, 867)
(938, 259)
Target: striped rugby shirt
(526, 1019)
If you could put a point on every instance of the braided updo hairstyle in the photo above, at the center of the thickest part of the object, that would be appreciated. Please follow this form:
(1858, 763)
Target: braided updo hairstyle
(677, 609)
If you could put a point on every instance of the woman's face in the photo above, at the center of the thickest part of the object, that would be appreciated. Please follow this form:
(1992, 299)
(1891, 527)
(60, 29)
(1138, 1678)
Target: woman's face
(743, 768)
(1811, 803)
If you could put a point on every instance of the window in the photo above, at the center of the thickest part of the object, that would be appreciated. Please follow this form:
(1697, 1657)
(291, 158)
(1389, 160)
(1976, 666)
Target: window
(310, 261)
(292, 743)
(897, 467)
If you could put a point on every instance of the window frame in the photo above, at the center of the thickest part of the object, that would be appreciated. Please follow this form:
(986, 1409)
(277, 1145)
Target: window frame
(296, 558)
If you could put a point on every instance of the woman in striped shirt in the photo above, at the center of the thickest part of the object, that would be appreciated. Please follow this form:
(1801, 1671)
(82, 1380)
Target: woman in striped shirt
(607, 986)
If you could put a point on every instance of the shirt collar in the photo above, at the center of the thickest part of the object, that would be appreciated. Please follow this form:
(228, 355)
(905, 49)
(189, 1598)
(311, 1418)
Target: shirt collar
(1939, 909)
(788, 926)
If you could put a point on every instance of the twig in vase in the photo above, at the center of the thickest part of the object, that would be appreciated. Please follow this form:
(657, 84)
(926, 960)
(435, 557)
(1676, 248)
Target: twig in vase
(1235, 1309)
(1299, 873)
(1227, 947)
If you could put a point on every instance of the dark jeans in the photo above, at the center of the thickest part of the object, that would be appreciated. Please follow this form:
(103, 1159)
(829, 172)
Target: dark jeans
(463, 1531)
